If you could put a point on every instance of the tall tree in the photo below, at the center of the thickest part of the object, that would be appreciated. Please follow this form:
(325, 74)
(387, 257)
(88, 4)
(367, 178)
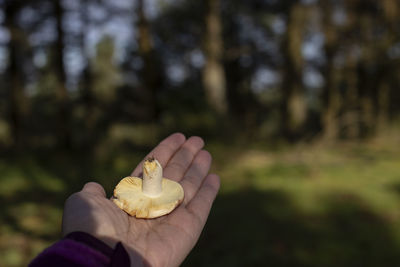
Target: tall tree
(18, 102)
(105, 74)
(63, 130)
(367, 76)
(331, 94)
(370, 23)
(294, 109)
(213, 73)
(351, 116)
(87, 75)
(357, 111)
(391, 14)
(151, 72)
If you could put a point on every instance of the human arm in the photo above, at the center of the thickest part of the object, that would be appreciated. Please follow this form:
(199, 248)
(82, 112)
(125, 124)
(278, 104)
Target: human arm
(164, 241)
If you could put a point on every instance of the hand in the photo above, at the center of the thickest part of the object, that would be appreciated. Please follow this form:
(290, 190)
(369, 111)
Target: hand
(164, 241)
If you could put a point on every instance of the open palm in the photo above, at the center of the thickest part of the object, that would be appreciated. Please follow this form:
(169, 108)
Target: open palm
(164, 241)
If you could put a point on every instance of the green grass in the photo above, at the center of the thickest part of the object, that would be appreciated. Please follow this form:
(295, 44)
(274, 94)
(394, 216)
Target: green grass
(306, 206)
(300, 206)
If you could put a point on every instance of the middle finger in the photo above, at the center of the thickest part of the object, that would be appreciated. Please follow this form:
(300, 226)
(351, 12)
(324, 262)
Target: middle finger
(180, 162)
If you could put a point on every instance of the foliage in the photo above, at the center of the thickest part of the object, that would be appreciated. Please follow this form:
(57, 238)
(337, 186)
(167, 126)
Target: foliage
(296, 70)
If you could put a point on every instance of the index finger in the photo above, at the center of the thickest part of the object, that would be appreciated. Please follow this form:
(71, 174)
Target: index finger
(163, 151)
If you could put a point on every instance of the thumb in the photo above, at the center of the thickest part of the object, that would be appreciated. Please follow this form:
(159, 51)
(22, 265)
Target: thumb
(94, 189)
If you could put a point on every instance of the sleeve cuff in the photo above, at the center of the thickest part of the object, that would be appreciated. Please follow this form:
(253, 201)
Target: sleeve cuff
(82, 249)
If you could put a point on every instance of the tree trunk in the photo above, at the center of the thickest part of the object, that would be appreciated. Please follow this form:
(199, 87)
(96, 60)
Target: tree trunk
(383, 106)
(151, 72)
(294, 109)
(365, 85)
(214, 80)
(331, 103)
(87, 80)
(351, 116)
(63, 130)
(389, 66)
(331, 95)
(18, 102)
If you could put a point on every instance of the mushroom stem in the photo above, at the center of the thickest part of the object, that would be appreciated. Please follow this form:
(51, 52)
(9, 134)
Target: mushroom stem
(152, 178)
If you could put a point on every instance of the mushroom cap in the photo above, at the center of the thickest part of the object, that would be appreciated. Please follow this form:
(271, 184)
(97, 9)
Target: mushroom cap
(129, 197)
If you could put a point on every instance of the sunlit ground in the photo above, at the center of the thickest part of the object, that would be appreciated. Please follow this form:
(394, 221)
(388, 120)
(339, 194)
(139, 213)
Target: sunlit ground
(295, 206)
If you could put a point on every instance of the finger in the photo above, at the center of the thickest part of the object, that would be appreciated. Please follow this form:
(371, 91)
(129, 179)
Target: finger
(195, 174)
(180, 162)
(94, 188)
(164, 151)
(201, 203)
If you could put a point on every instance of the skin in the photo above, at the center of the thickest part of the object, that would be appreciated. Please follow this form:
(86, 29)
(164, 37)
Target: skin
(164, 241)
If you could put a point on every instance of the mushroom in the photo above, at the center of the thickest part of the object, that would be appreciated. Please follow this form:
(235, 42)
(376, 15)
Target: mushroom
(150, 197)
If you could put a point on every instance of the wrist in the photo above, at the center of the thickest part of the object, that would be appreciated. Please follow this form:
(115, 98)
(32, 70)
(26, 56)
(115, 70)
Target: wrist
(115, 251)
(82, 249)
(109, 246)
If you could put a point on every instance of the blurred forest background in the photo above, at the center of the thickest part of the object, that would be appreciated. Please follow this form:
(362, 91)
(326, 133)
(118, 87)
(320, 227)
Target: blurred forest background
(297, 101)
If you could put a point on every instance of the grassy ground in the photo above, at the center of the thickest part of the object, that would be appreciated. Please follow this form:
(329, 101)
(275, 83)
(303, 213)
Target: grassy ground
(299, 206)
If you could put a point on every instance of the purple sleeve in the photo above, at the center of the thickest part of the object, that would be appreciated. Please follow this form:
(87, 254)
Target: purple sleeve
(83, 250)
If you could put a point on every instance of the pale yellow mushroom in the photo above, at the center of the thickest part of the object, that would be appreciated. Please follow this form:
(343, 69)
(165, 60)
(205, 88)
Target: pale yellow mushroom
(150, 197)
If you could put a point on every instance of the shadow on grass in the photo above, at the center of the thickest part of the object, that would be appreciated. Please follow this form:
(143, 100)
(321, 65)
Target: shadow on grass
(35, 187)
(254, 228)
